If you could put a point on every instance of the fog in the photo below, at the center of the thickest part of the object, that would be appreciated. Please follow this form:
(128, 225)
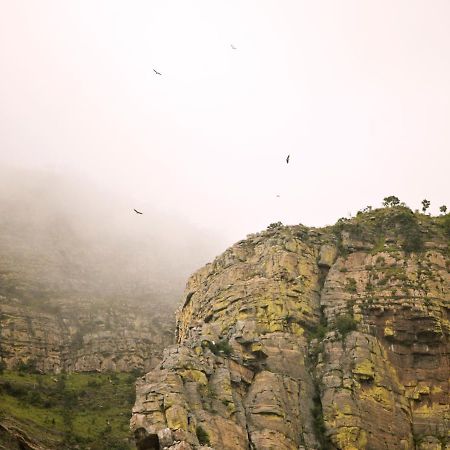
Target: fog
(64, 237)
(356, 92)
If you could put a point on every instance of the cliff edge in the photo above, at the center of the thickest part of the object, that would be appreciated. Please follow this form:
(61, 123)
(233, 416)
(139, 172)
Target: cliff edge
(302, 338)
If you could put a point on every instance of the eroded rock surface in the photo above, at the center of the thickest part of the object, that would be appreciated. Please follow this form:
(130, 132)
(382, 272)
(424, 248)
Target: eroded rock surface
(300, 338)
(12, 437)
(83, 336)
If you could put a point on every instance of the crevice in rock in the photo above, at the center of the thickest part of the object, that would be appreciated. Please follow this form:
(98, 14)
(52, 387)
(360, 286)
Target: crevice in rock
(251, 445)
(323, 273)
(318, 420)
(315, 348)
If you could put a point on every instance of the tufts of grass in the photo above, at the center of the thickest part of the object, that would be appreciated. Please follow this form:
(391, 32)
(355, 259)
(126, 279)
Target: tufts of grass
(202, 435)
(222, 347)
(350, 286)
(76, 410)
(345, 324)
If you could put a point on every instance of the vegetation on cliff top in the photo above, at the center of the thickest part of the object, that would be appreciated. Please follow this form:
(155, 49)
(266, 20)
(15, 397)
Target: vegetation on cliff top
(394, 227)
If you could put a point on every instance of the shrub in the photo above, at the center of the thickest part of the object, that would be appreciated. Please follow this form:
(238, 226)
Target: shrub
(34, 398)
(445, 223)
(409, 229)
(274, 225)
(367, 209)
(202, 435)
(222, 347)
(137, 372)
(345, 324)
(413, 241)
(319, 332)
(17, 391)
(27, 366)
(351, 285)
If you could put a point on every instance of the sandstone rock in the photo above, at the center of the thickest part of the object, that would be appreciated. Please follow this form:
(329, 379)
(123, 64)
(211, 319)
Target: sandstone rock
(327, 256)
(74, 339)
(321, 348)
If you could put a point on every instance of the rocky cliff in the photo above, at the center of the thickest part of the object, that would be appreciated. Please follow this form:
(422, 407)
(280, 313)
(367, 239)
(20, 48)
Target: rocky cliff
(88, 291)
(300, 338)
(66, 306)
(82, 336)
(85, 283)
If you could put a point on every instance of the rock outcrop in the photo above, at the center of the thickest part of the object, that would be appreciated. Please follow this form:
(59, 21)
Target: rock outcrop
(85, 285)
(12, 437)
(83, 336)
(300, 338)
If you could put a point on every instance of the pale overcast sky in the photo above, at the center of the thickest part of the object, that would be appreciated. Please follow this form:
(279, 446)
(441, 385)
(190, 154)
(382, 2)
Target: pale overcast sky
(357, 92)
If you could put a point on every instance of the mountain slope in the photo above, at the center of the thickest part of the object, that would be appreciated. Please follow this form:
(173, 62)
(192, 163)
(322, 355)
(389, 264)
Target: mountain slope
(88, 291)
(85, 283)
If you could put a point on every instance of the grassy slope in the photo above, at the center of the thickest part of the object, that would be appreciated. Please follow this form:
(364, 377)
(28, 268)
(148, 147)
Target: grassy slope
(83, 411)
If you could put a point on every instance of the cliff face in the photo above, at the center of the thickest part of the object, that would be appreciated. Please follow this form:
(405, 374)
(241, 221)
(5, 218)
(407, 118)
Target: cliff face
(82, 336)
(310, 338)
(88, 290)
(85, 283)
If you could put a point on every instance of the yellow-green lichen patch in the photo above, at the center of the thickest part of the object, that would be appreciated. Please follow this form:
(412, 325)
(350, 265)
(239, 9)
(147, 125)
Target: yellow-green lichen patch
(176, 417)
(351, 438)
(194, 375)
(364, 370)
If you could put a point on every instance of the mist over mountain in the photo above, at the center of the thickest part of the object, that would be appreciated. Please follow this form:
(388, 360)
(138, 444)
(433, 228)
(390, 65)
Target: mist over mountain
(60, 234)
(193, 252)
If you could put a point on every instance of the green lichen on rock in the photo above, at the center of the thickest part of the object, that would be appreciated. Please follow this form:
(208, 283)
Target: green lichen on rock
(332, 334)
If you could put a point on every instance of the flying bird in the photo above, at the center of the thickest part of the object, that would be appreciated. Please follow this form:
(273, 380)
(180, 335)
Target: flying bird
(233, 47)
(287, 159)
(137, 212)
(157, 73)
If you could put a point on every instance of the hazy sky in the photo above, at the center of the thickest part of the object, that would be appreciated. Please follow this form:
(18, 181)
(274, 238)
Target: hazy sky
(358, 92)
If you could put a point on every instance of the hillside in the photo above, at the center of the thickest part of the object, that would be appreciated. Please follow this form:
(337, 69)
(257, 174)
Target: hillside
(85, 283)
(67, 411)
(303, 338)
(88, 291)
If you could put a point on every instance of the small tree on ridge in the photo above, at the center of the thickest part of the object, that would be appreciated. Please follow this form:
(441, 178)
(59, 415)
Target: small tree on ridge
(390, 201)
(425, 205)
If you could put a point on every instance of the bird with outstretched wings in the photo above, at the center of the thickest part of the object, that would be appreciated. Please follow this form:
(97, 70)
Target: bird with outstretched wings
(157, 73)
(137, 212)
